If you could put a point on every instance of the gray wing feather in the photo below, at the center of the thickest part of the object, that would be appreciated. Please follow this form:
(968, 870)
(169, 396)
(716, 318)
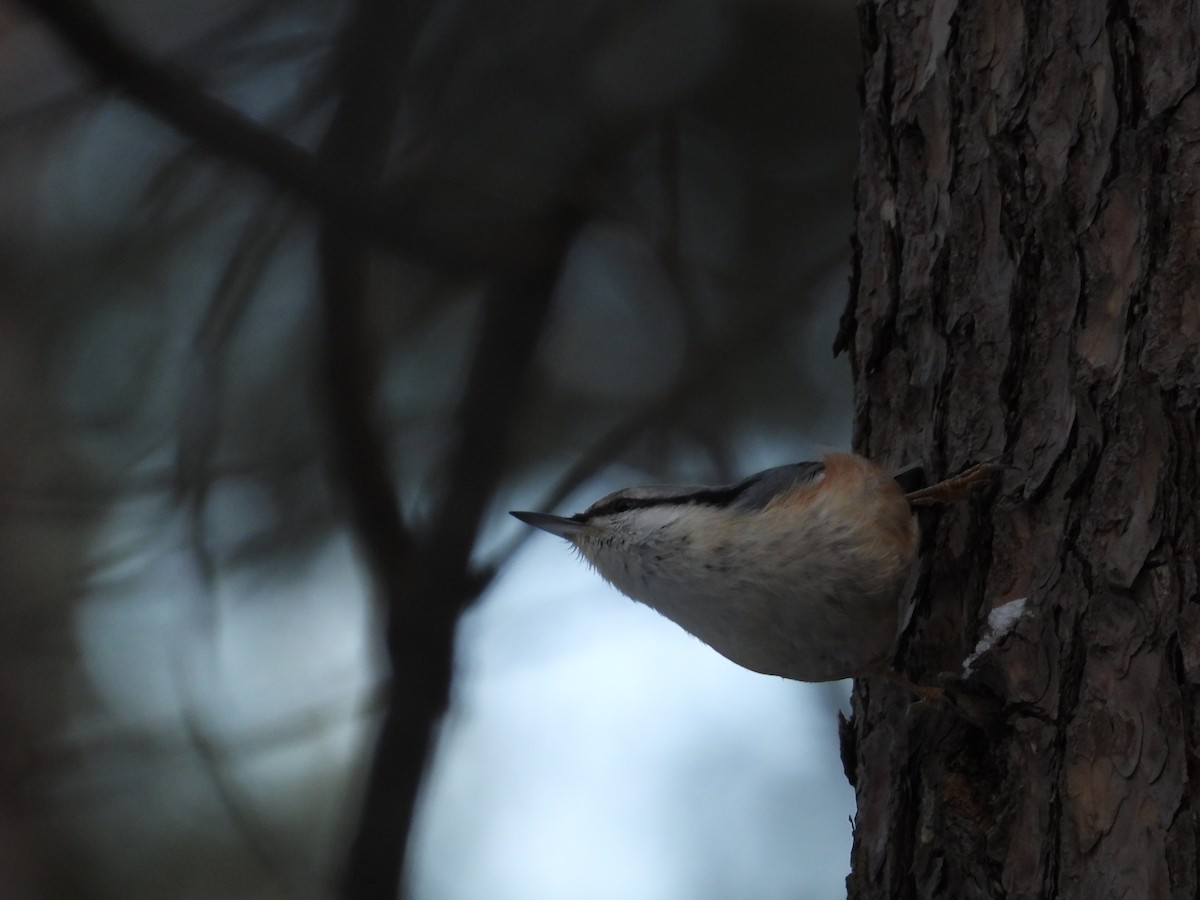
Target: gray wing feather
(759, 490)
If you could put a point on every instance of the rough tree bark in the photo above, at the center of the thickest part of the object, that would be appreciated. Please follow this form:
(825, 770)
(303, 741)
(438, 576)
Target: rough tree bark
(1025, 285)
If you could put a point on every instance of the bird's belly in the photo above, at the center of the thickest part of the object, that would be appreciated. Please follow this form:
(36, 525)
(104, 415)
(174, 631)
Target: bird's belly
(791, 628)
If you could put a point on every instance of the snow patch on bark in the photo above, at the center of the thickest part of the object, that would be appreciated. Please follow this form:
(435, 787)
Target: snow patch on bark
(1000, 621)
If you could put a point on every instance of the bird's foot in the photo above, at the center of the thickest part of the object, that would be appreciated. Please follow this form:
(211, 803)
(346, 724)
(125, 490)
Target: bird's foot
(958, 487)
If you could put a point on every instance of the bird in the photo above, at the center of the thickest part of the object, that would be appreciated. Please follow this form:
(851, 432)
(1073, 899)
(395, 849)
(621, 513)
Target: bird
(796, 571)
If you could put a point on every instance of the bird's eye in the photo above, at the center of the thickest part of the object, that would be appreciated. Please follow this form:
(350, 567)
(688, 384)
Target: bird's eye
(620, 505)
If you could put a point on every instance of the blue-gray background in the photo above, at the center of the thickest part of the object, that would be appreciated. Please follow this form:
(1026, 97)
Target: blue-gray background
(189, 668)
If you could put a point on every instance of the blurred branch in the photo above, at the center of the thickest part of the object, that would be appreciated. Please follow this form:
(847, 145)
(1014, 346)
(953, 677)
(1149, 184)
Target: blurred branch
(409, 216)
(437, 583)
(61, 99)
(422, 584)
(200, 420)
(357, 138)
(172, 96)
(168, 187)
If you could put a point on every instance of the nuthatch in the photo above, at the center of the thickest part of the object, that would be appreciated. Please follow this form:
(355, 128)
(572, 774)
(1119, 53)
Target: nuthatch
(797, 571)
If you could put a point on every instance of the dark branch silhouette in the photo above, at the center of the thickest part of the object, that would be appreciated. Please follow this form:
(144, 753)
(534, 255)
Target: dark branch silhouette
(434, 220)
(423, 579)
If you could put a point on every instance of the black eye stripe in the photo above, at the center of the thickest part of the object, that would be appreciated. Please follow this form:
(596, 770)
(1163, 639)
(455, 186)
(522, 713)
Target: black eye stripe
(713, 497)
(751, 494)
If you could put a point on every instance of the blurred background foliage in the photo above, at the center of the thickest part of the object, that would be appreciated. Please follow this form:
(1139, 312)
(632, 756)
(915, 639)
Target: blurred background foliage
(188, 677)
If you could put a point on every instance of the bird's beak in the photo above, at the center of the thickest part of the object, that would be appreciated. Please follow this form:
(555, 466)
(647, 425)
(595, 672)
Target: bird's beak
(556, 525)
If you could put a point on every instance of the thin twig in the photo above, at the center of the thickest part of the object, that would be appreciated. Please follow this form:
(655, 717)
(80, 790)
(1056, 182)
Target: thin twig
(255, 835)
(201, 420)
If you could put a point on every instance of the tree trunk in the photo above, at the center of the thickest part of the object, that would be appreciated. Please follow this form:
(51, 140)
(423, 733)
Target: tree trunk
(1025, 286)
